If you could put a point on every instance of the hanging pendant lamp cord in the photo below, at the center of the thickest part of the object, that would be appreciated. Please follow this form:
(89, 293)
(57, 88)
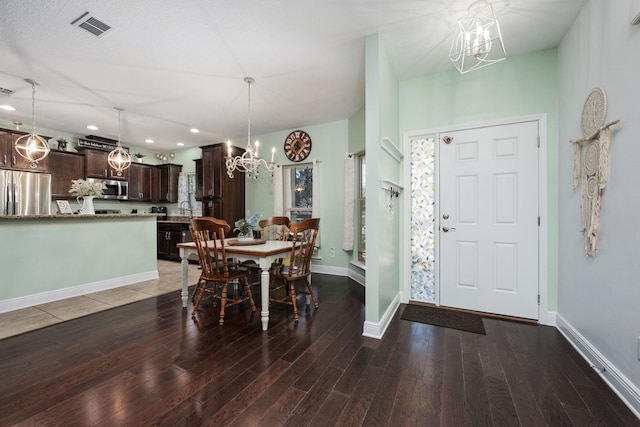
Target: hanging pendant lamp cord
(249, 117)
(119, 111)
(33, 106)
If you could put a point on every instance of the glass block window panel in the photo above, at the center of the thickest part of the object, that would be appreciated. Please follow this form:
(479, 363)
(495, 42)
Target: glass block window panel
(422, 220)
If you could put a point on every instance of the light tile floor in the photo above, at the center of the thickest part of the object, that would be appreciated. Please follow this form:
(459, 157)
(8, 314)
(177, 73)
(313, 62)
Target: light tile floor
(31, 318)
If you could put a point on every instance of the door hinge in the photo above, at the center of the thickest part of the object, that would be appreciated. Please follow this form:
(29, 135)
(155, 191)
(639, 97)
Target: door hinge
(538, 141)
(538, 220)
(538, 299)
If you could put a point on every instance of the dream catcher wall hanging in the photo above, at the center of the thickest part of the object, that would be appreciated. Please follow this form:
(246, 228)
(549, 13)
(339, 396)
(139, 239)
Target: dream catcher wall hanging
(592, 173)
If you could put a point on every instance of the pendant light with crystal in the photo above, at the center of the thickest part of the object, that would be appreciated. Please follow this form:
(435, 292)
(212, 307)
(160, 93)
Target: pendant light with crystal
(32, 146)
(119, 159)
(249, 163)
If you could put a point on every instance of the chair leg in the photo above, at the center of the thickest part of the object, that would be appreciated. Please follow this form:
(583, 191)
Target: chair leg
(247, 289)
(195, 290)
(313, 297)
(196, 304)
(223, 302)
(294, 301)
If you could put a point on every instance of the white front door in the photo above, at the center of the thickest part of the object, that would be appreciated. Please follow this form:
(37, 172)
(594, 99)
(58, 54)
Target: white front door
(488, 236)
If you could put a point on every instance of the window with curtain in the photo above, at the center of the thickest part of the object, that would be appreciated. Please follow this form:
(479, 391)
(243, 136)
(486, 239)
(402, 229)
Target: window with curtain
(298, 192)
(361, 207)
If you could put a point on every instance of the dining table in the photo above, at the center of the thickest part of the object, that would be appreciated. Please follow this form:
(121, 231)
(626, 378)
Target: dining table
(261, 251)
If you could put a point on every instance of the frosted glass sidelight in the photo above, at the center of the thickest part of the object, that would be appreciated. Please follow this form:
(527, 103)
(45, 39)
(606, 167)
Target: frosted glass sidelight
(422, 220)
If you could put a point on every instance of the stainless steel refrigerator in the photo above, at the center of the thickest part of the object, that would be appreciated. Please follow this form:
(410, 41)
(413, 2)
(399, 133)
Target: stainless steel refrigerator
(25, 193)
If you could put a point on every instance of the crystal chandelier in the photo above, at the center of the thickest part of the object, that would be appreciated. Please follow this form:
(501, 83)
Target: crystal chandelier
(249, 163)
(477, 41)
(32, 146)
(119, 159)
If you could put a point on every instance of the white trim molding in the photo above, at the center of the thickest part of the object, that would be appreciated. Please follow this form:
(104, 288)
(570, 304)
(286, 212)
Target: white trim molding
(377, 330)
(74, 291)
(625, 389)
(391, 148)
(330, 270)
(357, 277)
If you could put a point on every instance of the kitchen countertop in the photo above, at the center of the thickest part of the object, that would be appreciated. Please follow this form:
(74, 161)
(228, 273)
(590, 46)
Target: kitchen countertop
(83, 216)
(176, 220)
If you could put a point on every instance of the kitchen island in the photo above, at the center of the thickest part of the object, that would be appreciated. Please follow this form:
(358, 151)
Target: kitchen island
(46, 258)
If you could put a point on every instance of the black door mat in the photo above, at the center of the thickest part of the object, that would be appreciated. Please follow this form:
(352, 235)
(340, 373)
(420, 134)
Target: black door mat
(460, 320)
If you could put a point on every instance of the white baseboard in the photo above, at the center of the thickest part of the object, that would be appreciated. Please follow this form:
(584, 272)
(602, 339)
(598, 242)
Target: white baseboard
(74, 291)
(327, 269)
(356, 276)
(548, 318)
(377, 330)
(625, 389)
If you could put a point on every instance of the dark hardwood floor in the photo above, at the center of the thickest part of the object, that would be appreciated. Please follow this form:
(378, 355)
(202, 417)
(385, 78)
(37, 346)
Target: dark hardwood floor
(149, 363)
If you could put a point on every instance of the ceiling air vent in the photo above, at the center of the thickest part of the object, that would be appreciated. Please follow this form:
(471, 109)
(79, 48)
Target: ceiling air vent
(93, 24)
(4, 91)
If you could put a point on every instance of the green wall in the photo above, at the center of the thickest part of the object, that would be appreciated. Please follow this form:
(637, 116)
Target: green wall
(51, 254)
(383, 225)
(329, 146)
(521, 85)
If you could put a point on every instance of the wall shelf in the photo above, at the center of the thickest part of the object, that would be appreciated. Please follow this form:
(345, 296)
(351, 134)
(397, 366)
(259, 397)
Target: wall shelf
(388, 146)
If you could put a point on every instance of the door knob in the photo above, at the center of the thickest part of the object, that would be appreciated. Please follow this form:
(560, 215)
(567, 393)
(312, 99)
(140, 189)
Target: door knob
(446, 229)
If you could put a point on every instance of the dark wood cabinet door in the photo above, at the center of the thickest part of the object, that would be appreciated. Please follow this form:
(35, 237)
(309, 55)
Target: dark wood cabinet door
(6, 155)
(96, 165)
(169, 182)
(222, 197)
(9, 157)
(140, 182)
(64, 167)
(169, 235)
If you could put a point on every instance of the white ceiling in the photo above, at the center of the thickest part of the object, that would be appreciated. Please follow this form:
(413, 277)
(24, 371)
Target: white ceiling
(173, 65)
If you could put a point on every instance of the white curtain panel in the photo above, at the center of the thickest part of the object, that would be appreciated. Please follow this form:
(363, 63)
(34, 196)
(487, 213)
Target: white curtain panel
(278, 190)
(315, 192)
(183, 190)
(349, 202)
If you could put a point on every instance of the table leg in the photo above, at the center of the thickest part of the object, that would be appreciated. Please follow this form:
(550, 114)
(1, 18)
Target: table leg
(264, 297)
(185, 279)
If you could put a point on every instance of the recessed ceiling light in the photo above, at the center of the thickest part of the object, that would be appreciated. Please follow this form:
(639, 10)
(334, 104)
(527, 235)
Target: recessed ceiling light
(92, 127)
(195, 130)
(149, 141)
(180, 144)
(7, 107)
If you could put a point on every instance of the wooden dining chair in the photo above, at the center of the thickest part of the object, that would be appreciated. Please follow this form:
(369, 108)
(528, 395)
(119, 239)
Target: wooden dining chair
(208, 235)
(303, 235)
(212, 227)
(274, 228)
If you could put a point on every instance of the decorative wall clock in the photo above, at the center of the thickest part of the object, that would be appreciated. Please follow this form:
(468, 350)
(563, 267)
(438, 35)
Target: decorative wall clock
(297, 146)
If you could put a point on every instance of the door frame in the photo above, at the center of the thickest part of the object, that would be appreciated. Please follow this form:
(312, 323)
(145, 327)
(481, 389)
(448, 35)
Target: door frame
(544, 317)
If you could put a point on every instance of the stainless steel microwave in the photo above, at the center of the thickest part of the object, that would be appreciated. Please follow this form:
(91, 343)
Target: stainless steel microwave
(115, 189)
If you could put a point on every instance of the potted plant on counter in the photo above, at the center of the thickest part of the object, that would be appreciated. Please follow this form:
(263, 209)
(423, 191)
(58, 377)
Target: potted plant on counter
(245, 227)
(139, 157)
(87, 190)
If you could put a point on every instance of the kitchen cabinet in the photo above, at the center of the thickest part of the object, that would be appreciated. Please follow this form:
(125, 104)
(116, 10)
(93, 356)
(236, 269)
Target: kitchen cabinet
(141, 181)
(64, 167)
(9, 157)
(169, 235)
(96, 165)
(198, 194)
(169, 182)
(222, 197)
